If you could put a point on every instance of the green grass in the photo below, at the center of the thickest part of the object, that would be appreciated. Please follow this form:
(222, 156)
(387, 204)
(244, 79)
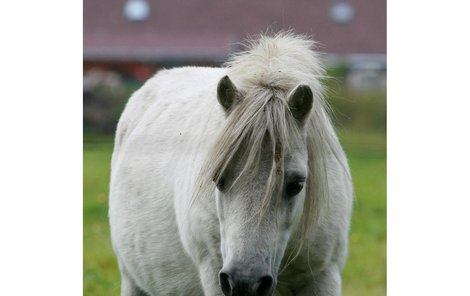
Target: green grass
(100, 271)
(365, 272)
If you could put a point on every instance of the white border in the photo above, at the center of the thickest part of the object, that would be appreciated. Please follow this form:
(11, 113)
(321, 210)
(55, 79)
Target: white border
(428, 148)
(41, 148)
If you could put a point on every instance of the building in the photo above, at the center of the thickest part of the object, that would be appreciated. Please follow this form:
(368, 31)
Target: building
(137, 36)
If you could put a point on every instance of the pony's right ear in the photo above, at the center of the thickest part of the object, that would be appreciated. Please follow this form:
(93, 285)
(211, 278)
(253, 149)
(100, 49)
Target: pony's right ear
(227, 93)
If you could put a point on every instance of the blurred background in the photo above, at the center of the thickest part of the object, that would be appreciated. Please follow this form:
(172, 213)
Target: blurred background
(127, 41)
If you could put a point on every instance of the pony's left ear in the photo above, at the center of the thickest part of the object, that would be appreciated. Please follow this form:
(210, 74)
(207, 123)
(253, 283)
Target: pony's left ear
(300, 102)
(227, 93)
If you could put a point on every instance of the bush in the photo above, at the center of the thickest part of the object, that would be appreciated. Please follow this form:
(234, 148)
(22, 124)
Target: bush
(104, 97)
(356, 109)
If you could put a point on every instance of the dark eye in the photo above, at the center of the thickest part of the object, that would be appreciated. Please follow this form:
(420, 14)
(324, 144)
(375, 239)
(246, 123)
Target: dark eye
(293, 188)
(221, 184)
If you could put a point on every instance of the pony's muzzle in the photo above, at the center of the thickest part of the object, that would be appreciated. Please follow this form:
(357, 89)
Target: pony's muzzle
(233, 284)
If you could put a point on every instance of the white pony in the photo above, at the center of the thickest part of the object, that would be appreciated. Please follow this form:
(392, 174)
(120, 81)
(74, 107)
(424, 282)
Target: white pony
(231, 181)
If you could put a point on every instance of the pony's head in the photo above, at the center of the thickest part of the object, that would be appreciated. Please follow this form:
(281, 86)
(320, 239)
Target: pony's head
(260, 178)
(268, 166)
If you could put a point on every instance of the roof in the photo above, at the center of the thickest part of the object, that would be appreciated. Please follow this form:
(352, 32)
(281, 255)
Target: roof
(210, 29)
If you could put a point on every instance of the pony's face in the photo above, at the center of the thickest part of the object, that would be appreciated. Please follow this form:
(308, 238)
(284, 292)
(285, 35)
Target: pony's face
(254, 236)
(260, 199)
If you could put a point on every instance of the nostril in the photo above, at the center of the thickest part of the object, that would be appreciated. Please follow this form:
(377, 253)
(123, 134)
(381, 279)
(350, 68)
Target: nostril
(265, 286)
(225, 283)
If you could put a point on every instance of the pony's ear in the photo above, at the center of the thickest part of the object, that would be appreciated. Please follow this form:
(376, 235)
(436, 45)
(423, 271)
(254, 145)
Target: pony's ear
(227, 93)
(300, 102)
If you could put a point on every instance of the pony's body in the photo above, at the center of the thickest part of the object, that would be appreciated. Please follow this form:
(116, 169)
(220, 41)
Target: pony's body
(167, 241)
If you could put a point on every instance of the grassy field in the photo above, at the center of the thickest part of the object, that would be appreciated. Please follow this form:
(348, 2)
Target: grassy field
(365, 272)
